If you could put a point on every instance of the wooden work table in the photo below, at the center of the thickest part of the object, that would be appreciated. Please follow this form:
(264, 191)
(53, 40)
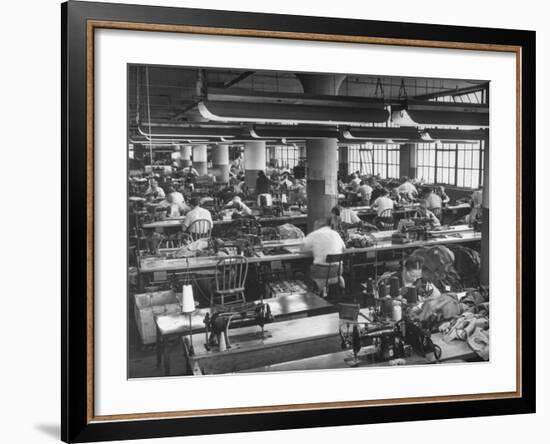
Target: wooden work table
(175, 222)
(283, 308)
(287, 340)
(450, 351)
(311, 343)
(454, 235)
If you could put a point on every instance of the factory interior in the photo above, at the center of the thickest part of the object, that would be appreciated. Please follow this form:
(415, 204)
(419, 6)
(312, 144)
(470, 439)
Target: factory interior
(284, 221)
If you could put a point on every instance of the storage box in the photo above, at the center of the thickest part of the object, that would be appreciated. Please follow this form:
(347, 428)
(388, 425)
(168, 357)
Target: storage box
(149, 305)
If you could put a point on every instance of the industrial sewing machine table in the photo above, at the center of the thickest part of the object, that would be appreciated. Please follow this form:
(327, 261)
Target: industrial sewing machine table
(283, 308)
(283, 341)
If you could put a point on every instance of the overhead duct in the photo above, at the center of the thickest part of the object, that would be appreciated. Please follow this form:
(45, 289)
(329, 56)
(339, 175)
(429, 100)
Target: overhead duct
(190, 132)
(286, 113)
(441, 113)
(457, 135)
(397, 134)
(294, 132)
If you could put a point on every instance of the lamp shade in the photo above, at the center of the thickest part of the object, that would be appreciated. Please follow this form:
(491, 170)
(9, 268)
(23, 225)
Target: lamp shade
(187, 300)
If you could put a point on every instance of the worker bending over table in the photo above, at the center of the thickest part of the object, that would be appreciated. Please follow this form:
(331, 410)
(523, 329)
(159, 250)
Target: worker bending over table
(239, 207)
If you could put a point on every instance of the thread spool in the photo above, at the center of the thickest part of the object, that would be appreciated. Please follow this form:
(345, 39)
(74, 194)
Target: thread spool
(412, 296)
(394, 287)
(397, 312)
(387, 306)
(223, 345)
(382, 290)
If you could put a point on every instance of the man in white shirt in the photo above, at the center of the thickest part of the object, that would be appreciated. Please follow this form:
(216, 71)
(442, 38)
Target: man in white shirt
(430, 199)
(383, 203)
(340, 215)
(321, 242)
(196, 213)
(176, 207)
(176, 196)
(364, 191)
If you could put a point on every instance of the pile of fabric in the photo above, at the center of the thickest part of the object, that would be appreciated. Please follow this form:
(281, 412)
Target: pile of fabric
(467, 264)
(359, 240)
(462, 317)
(200, 247)
(439, 267)
(289, 231)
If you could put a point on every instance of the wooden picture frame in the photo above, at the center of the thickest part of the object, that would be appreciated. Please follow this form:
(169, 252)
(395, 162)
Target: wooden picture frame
(79, 22)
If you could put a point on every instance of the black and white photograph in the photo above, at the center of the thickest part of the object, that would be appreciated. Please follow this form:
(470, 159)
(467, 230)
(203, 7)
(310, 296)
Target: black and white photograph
(286, 221)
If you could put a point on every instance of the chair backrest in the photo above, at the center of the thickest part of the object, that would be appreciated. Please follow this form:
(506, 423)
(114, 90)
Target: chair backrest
(231, 274)
(385, 219)
(200, 229)
(171, 242)
(334, 260)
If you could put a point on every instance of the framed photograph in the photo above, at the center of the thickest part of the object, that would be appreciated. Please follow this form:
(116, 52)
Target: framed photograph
(275, 221)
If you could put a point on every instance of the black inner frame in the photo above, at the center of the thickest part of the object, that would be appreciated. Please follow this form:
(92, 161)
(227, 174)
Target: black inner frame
(74, 424)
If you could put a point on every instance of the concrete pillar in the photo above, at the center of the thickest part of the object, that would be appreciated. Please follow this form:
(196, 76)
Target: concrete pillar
(343, 161)
(185, 155)
(254, 161)
(220, 163)
(200, 159)
(407, 160)
(484, 278)
(322, 155)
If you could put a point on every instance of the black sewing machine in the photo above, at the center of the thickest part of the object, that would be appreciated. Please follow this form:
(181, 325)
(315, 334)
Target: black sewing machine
(384, 340)
(413, 229)
(237, 315)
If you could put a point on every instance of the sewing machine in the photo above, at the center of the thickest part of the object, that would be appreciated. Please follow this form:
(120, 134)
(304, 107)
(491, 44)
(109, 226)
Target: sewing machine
(217, 324)
(413, 229)
(382, 340)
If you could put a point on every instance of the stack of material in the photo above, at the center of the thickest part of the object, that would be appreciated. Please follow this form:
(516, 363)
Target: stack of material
(285, 287)
(149, 305)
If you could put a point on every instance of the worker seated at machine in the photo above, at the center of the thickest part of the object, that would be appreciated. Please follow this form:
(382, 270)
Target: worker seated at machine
(176, 205)
(355, 183)
(429, 199)
(196, 213)
(412, 270)
(341, 217)
(424, 212)
(407, 188)
(364, 192)
(476, 212)
(321, 242)
(154, 191)
(239, 207)
(440, 191)
(264, 198)
(383, 203)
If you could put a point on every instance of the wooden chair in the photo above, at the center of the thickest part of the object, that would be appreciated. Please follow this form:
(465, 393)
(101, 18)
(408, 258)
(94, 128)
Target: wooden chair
(334, 261)
(385, 220)
(172, 242)
(230, 276)
(200, 229)
(437, 212)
